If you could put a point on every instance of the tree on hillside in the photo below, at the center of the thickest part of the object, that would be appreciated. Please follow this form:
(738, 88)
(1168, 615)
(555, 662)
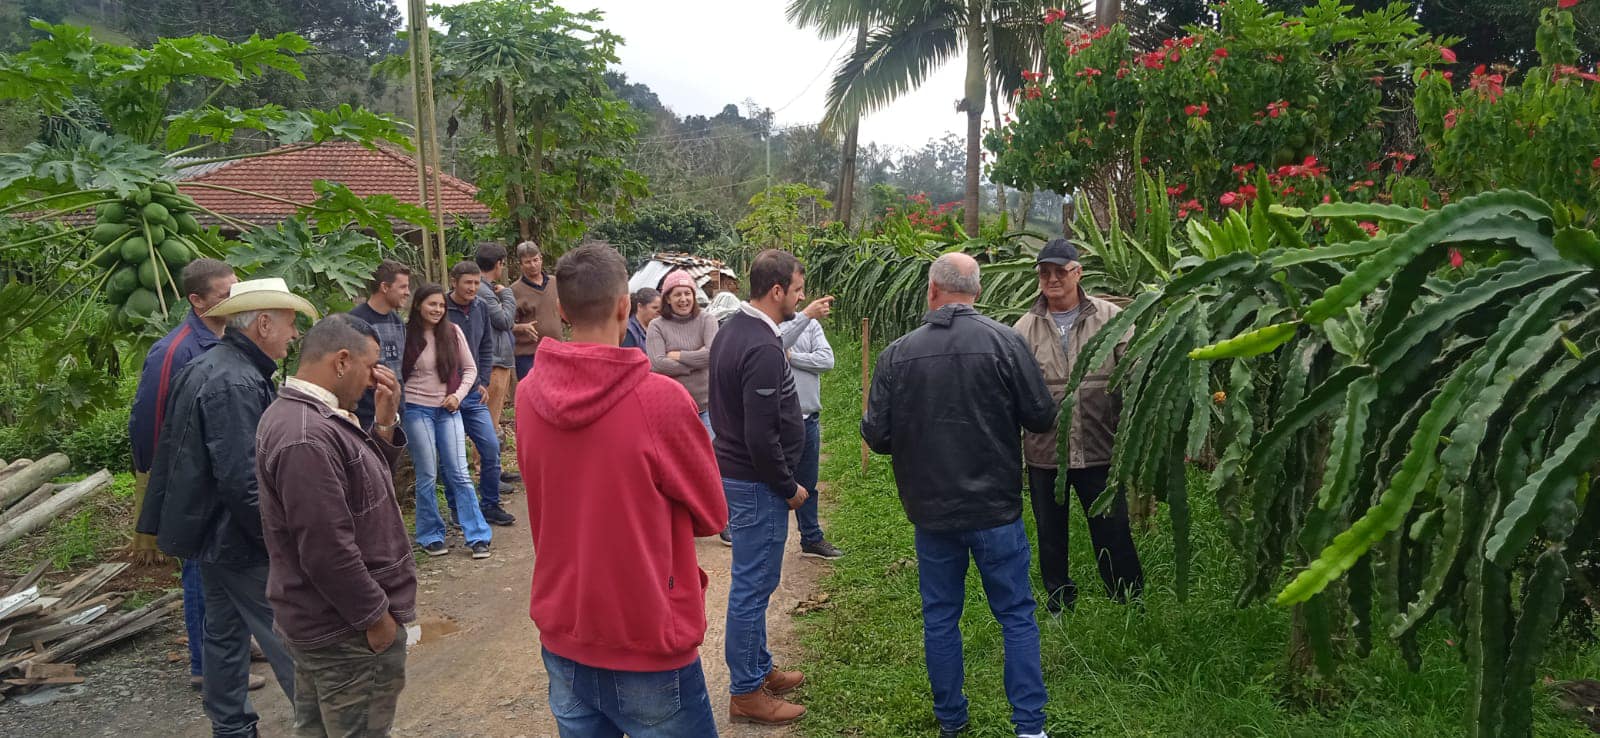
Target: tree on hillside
(534, 73)
(1002, 39)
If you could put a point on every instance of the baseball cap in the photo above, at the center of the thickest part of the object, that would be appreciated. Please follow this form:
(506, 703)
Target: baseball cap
(1059, 251)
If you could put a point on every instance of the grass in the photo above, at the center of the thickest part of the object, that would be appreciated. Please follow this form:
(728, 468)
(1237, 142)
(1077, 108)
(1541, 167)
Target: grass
(1201, 667)
(90, 534)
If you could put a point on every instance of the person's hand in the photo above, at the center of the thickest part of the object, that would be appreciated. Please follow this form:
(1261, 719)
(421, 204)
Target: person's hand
(799, 498)
(451, 403)
(675, 355)
(385, 395)
(382, 634)
(819, 308)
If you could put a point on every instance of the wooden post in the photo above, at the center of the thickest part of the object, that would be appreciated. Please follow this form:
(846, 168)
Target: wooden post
(866, 381)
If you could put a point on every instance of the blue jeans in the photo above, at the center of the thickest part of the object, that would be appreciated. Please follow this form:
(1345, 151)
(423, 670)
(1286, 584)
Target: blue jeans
(759, 520)
(480, 428)
(194, 615)
(524, 365)
(805, 474)
(705, 420)
(590, 702)
(1003, 558)
(439, 449)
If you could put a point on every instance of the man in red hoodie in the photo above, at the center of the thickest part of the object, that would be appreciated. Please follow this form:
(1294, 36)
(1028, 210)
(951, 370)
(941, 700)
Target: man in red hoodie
(618, 593)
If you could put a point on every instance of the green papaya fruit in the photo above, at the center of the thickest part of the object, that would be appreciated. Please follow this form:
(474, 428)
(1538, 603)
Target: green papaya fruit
(135, 250)
(106, 257)
(163, 187)
(111, 212)
(150, 274)
(158, 233)
(142, 303)
(175, 253)
(187, 225)
(155, 211)
(141, 198)
(121, 284)
(105, 233)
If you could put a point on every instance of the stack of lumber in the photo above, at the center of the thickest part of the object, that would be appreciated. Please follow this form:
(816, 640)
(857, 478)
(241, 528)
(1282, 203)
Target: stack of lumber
(28, 501)
(44, 631)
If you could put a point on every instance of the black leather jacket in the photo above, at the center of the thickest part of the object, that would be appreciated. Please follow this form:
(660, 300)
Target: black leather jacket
(201, 502)
(949, 402)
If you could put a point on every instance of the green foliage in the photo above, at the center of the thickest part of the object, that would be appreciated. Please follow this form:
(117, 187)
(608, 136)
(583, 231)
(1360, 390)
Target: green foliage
(330, 269)
(661, 227)
(781, 217)
(1361, 384)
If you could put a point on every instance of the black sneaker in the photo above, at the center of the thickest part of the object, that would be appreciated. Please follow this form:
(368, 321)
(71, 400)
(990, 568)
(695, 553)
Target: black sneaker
(947, 732)
(511, 477)
(497, 515)
(437, 548)
(820, 550)
(480, 550)
(726, 538)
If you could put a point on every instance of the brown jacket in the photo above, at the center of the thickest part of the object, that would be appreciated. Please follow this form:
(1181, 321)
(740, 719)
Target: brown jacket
(1095, 412)
(537, 305)
(340, 554)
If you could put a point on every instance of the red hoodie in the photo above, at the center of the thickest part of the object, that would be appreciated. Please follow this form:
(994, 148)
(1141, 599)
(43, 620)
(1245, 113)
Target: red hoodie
(621, 478)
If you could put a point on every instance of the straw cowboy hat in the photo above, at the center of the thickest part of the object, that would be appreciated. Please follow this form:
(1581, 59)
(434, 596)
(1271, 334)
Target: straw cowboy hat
(270, 293)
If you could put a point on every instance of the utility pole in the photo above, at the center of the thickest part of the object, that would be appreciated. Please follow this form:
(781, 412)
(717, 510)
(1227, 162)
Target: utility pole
(769, 159)
(426, 139)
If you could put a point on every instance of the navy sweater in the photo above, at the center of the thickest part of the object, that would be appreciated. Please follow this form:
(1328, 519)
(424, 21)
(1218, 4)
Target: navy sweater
(755, 409)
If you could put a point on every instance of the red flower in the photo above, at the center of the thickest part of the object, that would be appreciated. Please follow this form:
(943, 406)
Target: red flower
(1122, 72)
(1564, 4)
(1243, 169)
(1088, 72)
(1456, 260)
(1032, 76)
(1447, 54)
(1372, 166)
(1377, 79)
(1230, 199)
(1278, 108)
(1248, 191)
(1197, 110)
(1055, 15)
(1188, 42)
(1450, 119)
(1192, 206)
(1563, 70)
(1153, 60)
(1370, 227)
(1032, 93)
(1220, 53)
(1308, 168)
(1596, 163)
(1100, 33)
(1177, 190)
(1487, 85)
(1112, 114)
(1276, 57)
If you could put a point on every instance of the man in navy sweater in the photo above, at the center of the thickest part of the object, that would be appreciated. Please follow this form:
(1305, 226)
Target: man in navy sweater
(470, 313)
(760, 434)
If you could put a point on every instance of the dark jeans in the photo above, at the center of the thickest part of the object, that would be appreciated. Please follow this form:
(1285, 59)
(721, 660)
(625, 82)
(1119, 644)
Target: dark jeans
(590, 702)
(236, 609)
(345, 689)
(1002, 555)
(1113, 543)
(758, 519)
(194, 615)
(524, 365)
(486, 438)
(805, 474)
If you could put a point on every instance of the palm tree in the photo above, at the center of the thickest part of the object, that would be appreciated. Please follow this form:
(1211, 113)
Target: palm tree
(832, 19)
(913, 38)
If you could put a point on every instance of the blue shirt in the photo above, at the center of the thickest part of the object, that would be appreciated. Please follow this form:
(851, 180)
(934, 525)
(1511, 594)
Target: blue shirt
(166, 358)
(473, 320)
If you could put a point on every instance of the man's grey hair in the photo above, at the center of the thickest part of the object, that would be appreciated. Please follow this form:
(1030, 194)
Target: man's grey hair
(527, 249)
(947, 274)
(243, 321)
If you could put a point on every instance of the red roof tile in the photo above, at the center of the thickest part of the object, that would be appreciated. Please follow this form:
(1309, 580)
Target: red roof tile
(381, 171)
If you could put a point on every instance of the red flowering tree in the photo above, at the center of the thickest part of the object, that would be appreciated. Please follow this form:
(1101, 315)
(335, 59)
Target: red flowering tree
(1539, 132)
(1299, 99)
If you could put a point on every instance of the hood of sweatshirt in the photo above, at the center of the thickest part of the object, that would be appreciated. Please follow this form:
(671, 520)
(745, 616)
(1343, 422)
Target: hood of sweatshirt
(576, 383)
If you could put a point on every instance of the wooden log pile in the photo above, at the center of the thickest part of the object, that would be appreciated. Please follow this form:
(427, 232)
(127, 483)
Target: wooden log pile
(28, 500)
(45, 631)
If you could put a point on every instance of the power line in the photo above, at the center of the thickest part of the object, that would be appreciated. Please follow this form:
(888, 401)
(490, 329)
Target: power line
(813, 81)
(706, 189)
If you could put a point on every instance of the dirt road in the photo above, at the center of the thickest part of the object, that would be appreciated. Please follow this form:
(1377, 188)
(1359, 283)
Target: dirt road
(475, 673)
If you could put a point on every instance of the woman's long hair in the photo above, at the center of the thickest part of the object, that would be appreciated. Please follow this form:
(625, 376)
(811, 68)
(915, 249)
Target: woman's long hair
(445, 352)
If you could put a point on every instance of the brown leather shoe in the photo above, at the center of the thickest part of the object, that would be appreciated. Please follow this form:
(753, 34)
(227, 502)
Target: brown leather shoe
(762, 708)
(782, 682)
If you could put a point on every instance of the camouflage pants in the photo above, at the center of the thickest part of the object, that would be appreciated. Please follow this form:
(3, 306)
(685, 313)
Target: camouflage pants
(347, 691)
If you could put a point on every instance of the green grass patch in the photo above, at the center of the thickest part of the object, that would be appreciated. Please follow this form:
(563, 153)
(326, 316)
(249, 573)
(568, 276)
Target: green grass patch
(1201, 667)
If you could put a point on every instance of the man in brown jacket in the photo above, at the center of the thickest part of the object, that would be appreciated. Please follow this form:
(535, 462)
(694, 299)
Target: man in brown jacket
(1062, 320)
(538, 310)
(342, 580)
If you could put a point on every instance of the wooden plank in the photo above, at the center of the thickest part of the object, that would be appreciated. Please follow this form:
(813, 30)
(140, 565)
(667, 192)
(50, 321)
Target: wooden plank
(134, 628)
(44, 682)
(46, 671)
(86, 641)
(29, 579)
(98, 578)
(50, 633)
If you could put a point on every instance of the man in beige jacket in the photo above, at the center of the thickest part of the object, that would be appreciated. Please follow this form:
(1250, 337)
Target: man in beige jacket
(1062, 320)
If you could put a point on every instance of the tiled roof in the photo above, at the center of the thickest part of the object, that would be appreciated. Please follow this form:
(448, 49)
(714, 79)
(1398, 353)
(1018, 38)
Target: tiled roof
(380, 171)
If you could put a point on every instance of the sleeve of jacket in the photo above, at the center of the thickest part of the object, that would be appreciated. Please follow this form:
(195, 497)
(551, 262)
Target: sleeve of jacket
(1030, 396)
(655, 346)
(469, 367)
(762, 392)
(791, 331)
(484, 356)
(506, 316)
(322, 527)
(230, 427)
(687, 467)
(701, 358)
(820, 358)
(876, 423)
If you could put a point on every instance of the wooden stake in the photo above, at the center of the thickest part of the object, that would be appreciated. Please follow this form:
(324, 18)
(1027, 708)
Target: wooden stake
(866, 381)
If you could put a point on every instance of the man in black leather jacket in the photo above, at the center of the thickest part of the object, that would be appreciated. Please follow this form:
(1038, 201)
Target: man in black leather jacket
(949, 401)
(202, 505)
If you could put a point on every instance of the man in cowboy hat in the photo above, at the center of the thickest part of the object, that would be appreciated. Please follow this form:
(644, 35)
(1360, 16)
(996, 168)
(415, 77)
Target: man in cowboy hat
(202, 504)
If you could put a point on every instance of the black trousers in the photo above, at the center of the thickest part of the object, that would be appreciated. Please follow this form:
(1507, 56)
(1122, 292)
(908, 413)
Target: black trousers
(1113, 542)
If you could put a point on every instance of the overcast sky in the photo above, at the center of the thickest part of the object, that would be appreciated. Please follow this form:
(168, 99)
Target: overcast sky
(699, 55)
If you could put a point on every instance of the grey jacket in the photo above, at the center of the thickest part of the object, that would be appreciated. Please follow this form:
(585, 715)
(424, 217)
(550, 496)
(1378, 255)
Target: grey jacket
(809, 357)
(501, 317)
(1096, 410)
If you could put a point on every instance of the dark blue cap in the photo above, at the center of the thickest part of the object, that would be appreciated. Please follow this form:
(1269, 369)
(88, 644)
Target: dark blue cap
(1058, 251)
